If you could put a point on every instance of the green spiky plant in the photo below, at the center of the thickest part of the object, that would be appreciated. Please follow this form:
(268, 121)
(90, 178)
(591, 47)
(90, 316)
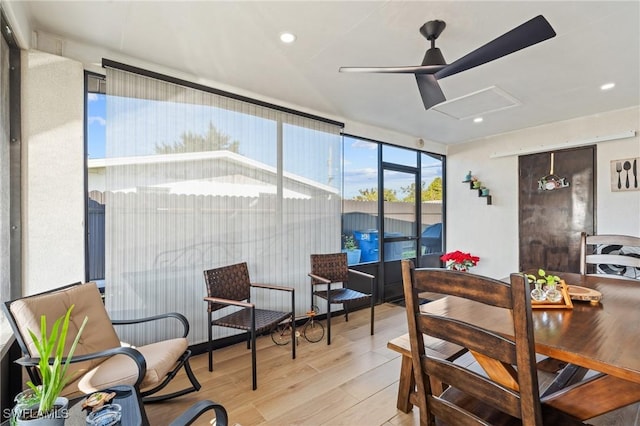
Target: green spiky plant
(54, 376)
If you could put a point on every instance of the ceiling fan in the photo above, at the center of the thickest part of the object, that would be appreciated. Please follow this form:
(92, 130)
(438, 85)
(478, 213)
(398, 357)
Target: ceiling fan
(434, 67)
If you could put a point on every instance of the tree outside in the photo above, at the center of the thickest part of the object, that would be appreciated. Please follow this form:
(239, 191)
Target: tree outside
(213, 140)
(430, 193)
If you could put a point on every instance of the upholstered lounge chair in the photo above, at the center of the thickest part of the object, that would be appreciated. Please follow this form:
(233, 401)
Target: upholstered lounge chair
(100, 359)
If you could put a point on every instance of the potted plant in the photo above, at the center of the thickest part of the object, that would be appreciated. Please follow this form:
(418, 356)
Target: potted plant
(352, 250)
(549, 291)
(459, 261)
(42, 404)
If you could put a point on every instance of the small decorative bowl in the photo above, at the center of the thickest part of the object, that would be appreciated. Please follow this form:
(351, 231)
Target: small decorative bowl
(108, 415)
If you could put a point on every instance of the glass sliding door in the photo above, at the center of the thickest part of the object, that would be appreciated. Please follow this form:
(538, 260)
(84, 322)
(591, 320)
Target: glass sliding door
(431, 210)
(399, 214)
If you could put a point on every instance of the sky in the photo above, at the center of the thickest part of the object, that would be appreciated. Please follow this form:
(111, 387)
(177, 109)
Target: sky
(359, 156)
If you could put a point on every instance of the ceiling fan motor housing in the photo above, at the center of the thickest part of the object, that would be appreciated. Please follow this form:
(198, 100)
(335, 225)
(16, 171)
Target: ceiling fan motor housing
(433, 57)
(432, 29)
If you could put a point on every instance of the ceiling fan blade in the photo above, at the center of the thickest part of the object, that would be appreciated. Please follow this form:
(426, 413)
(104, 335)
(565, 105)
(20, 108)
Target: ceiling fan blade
(418, 69)
(430, 90)
(531, 32)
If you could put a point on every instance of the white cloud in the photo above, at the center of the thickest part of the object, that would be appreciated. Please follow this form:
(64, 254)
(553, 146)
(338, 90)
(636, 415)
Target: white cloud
(95, 119)
(364, 144)
(92, 97)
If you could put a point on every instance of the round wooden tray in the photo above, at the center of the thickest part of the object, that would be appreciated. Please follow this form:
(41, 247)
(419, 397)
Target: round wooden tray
(577, 292)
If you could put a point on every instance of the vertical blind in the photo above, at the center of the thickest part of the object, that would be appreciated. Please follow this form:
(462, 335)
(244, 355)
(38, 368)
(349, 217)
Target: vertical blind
(196, 180)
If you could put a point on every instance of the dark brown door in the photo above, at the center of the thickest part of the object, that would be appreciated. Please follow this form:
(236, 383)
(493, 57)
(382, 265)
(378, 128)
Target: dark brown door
(550, 221)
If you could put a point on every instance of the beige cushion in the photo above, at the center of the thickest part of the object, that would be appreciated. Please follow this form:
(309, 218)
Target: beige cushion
(161, 358)
(98, 334)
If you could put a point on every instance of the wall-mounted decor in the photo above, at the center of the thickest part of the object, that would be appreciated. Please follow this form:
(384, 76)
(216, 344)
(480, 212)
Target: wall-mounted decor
(624, 174)
(551, 181)
(474, 183)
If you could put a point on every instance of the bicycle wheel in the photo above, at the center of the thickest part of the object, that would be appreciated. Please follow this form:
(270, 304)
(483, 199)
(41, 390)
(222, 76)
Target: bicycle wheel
(281, 334)
(313, 331)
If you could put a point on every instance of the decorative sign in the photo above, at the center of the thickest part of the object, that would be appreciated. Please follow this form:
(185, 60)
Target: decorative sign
(551, 181)
(624, 174)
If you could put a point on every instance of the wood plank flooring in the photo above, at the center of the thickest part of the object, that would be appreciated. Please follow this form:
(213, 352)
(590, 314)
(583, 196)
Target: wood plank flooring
(354, 381)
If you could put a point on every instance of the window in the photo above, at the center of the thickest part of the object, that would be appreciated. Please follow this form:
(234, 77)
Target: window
(371, 168)
(360, 206)
(190, 180)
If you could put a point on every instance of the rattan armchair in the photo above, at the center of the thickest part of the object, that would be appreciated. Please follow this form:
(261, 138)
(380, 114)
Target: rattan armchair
(230, 286)
(330, 275)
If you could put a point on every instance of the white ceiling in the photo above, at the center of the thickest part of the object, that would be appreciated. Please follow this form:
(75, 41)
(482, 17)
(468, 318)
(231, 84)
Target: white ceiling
(235, 44)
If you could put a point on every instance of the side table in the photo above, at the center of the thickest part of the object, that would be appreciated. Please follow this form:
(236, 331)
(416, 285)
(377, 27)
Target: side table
(126, 396)
(133, 413)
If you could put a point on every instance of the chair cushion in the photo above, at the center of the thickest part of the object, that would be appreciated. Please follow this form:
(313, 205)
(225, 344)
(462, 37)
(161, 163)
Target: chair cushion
(161, 358)
(98, 334)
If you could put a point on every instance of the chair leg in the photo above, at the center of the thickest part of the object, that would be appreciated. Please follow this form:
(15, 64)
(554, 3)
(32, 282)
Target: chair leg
(210, 346)
(372, 314)
(253, 358)
(254, 374)
(183, 362)
(328, 322)
(293, 336)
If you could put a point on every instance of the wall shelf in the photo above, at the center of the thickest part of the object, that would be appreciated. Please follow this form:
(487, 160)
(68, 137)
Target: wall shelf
(488, 197)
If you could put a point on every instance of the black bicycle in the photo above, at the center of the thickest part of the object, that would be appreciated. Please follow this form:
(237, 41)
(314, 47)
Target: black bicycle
(312, 330)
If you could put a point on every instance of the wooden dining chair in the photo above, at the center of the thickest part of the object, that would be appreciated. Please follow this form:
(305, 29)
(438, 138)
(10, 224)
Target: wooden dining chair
(511, 395)
(606, 254)
(230, 286)
(330, 276)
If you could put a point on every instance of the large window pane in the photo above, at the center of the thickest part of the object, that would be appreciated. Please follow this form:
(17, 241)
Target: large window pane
(399, 214)
(360, 207)
(432, 203)
(194, 181)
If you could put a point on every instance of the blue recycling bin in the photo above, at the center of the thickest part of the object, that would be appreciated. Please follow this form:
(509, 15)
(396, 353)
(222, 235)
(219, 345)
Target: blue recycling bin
(368, 243)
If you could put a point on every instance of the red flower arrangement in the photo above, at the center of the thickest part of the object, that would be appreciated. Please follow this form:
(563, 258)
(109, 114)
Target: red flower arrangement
(459, 261)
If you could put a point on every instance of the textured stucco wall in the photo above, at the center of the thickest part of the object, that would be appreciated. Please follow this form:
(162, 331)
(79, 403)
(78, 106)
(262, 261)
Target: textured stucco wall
(53, 170)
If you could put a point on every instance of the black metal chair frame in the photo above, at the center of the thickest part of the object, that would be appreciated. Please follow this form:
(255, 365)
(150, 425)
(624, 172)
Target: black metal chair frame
(248, 317)
(31, 363)
(341, 295)
(196, 410)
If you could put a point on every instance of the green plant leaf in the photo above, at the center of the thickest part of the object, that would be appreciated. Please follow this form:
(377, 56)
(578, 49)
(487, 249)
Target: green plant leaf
(52, 364)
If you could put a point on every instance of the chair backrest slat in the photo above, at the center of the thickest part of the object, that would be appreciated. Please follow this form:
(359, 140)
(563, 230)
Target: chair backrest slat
(591, 255)
(471, 337)
(228, 282)
(523, 401)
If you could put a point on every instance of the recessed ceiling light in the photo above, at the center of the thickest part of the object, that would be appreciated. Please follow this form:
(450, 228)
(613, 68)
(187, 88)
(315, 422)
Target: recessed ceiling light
(287, 38)
(478, 120)
(607, 86)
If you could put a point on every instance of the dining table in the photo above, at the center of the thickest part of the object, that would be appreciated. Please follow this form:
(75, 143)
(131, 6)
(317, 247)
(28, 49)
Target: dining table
(603, 337)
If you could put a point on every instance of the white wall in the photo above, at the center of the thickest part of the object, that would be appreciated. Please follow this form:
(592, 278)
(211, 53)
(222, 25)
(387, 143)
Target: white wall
(53, 171)
(491, 231)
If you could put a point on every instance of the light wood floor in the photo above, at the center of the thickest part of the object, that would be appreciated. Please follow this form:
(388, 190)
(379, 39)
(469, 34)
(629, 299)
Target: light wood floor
(354, 381)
